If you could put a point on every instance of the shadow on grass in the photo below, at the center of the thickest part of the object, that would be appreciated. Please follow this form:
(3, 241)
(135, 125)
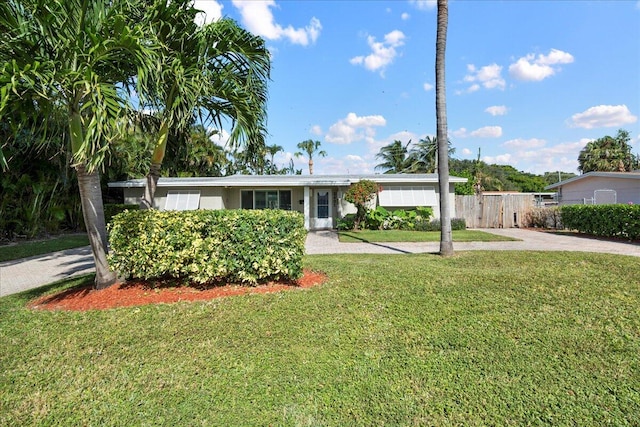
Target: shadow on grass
(378, 244)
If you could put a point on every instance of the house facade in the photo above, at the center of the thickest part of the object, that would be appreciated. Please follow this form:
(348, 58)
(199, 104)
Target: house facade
(319, 197)
(599, 188)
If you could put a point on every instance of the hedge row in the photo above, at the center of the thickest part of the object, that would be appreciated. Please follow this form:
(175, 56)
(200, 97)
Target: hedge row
(603, 220)
(207, 246)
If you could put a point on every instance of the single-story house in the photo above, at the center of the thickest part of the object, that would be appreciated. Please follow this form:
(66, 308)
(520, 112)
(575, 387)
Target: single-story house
(599, 188)
(319, 197)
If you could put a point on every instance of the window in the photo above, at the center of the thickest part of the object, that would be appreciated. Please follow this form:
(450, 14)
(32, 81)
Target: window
(265, 199)
(182, 200)
(408, 196)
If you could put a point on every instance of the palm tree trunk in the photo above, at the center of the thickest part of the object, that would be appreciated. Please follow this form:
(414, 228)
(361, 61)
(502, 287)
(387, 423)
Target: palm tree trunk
(93, 212)
(446, 241)
(147, 201)
(310, 166)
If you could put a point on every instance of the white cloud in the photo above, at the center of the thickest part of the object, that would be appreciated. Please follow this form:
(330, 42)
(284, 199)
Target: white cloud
(496, 110)
(424, 4)
(405, 16)
(220, 138)
(354, 128)
(536, 68)
(488, 77)
(466, 152)
(501, 159)
(427, 87)
(315, 130)
(382, 53)
(258, 18)
(487, 132)
(483, 132)
(525, 143)
(603, 116)
(211, 11)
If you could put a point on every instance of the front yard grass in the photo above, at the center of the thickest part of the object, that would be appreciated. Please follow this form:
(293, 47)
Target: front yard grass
(379, 236)
(481, 338)
(38, 247)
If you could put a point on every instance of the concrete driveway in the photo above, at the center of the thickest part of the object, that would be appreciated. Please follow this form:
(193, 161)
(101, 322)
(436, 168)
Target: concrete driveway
(23, 274)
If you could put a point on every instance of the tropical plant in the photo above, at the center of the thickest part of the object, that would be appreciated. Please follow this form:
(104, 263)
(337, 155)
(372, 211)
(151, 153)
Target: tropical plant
(423, 156)
(215, 72)
(80, 56)
(608, 154)
(446, 241)
(311, 148)
(361, 193)
(272, 150)
(394, 157)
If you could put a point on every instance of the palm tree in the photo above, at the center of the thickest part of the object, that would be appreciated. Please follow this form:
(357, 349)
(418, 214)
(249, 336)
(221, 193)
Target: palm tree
(608, 154)
(310, 147)
(423, 157)
(394, 158)
(78, 55)
(212, 72)
(446, 241)
(272, 150)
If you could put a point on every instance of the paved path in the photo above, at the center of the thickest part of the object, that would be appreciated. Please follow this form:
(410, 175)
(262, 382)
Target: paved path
(28, 273)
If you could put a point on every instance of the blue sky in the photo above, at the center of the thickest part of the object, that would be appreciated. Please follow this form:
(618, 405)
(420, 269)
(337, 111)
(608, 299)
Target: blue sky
(529, 83)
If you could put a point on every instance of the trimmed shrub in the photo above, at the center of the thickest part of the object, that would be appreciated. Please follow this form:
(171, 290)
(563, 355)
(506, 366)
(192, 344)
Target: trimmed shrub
(435, 225)
(347, 222)
(208, 246)
(549, 217)
(603, 220)
(113, 209)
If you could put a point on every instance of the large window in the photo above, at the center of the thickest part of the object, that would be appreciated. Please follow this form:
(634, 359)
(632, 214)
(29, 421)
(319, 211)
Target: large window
(265, 199)
(182, 200)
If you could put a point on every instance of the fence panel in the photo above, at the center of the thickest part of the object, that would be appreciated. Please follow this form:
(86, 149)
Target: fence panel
(494, 211)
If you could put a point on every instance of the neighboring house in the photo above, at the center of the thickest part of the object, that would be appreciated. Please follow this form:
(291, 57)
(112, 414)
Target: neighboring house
(320, 198)
(599, 188)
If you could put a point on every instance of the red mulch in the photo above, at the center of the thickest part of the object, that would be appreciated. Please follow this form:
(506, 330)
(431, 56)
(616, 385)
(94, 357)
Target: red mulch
(136, 293)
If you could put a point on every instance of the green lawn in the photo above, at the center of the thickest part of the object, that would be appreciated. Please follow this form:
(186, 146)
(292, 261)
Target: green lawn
(39, 247)
(481, 338)
(417, 236)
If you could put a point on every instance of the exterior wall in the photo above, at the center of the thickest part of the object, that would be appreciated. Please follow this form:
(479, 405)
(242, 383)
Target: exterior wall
(627, 190)
(210, 197)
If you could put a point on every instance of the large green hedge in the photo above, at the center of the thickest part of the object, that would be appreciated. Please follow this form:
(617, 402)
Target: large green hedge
(206, 246)
(603, 220)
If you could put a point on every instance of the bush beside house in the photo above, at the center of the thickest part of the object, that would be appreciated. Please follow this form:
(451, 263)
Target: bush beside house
(603, 220)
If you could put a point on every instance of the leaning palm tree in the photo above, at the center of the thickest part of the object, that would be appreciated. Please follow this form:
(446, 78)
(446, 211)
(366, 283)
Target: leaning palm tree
(208, 73)
(78, 55)
(446, 241)
(310, 147)
(394, 157)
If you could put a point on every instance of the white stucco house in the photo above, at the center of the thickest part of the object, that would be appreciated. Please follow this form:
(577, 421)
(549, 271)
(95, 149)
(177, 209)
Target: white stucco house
(599, 188)
(318, 197)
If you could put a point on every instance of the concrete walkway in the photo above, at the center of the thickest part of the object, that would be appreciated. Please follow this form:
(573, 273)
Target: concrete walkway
(28, 273)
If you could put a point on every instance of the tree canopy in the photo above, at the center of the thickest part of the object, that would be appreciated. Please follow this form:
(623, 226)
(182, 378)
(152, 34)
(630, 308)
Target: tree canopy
(608, 154)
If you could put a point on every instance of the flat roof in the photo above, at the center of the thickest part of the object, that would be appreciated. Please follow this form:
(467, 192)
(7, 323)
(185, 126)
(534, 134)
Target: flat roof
(285, 180)
(618, 175)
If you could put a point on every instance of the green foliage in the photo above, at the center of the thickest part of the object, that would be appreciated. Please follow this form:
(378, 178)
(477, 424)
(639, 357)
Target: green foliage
(360, 194)
(347, 222)
(382, 219)
(603, 220)
(547, 217)
(435, 225)
(207, 246)
(608, 154)
(113, 209)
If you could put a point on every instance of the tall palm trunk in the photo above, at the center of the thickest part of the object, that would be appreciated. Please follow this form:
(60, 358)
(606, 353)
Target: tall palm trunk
(147, 201)
(446, 241)
(92, 206)
(93, 212)
(310, 166)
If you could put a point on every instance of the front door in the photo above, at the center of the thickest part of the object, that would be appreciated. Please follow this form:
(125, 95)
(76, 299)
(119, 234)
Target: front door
(323, 217)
